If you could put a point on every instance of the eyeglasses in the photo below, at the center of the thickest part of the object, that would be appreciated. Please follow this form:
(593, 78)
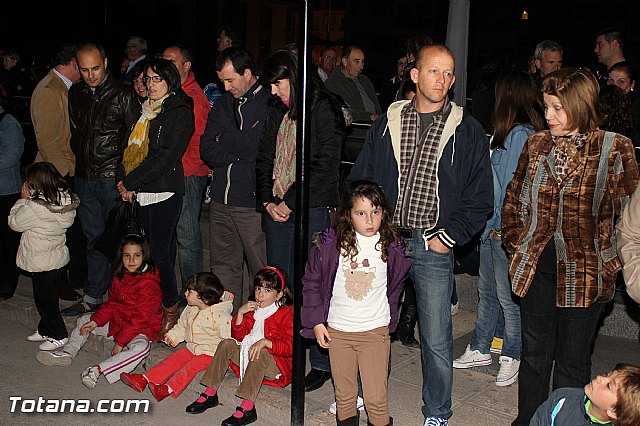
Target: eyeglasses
(155, 79)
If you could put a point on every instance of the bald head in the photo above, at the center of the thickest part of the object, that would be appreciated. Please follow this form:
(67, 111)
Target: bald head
(433, 49)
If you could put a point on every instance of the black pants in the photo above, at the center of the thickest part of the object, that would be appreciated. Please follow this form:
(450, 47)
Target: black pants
(549, 333)
(9, 243)
(77, 244)
(46, 286)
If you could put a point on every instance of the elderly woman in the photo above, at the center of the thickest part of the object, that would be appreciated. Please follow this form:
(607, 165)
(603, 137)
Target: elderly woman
(153, 171)
(557, 224)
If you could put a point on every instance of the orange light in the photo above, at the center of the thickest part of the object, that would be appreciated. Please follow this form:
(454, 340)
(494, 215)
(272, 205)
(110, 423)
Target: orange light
(525, 15)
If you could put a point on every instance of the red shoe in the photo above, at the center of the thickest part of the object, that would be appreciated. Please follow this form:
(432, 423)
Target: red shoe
(136, 382)
(159, 392)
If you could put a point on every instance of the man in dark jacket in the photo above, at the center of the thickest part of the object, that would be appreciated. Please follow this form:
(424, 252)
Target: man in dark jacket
(432, 160)
(229, 146)
(102, 113)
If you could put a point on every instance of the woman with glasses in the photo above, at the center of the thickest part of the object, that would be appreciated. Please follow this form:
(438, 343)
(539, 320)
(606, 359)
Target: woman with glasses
(152, 171)
(558, 226)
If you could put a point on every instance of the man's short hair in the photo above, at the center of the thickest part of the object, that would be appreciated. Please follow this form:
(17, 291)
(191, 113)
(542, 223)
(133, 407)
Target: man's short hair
(186, 55)
(346, 52)
(546, 45)
(612, 34)
(87, 47)
(415, 43)
(326, 49)
(64, 54)
(577, 89)
(438, 46)
(234, 34)
(139, 43)
(239, 58)
(627, 407)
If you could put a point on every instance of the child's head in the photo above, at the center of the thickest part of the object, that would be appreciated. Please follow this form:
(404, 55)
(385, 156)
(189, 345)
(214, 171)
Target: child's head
(134, 255)
(617, 394)
(45, 181)
(270, 285)
(203, 287)
(363, 210)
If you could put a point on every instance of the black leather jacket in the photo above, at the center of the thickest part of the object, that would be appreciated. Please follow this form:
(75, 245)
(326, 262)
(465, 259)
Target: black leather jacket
(100, 124)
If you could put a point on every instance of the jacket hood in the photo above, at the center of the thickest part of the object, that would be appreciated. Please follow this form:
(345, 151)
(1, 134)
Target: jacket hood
(69, 202)
(321, 238)
(225, 306)
(177, 99)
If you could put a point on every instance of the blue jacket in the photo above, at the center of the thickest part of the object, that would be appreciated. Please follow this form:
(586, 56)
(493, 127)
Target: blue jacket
(229, 145)
(11, 147)
(320, 275)
(504, 163)
(564, 407)
(465, 188)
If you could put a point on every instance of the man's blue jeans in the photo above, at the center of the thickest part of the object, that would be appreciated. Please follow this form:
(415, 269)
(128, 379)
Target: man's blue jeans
(494, 289)
(97, 199)
(188, 230)
(432, 275)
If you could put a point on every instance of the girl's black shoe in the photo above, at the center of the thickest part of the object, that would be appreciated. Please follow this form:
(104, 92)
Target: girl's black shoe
(248, 416)
(200, 407)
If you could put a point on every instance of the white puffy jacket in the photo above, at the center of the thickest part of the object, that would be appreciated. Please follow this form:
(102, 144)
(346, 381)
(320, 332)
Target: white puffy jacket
(43, 227)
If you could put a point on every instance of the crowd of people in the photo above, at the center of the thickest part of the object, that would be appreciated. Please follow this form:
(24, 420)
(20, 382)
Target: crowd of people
(535, 178)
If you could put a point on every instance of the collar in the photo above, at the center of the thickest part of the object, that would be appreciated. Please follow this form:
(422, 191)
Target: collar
(134, 62)
(64, 79)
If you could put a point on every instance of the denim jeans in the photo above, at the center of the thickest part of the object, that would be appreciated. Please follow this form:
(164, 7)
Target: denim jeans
(494, 290)
(97, 198)
(159, 222)
(188, 232)
(549, 333)
(281, 237)
(432, 275)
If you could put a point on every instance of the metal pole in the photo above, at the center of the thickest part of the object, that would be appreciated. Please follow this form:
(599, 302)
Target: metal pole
(302, 206)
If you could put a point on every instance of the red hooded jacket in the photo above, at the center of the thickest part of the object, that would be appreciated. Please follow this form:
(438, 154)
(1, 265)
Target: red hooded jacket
(191, 161)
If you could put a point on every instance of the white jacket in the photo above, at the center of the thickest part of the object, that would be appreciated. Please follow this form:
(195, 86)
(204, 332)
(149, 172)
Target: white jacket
(203, 330)
(43, 227)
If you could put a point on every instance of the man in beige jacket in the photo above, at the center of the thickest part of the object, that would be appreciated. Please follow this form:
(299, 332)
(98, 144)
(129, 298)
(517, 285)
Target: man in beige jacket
(628, 236)
(50, 118)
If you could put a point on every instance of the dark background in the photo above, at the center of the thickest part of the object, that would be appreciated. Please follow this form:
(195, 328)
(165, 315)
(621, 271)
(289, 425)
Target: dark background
(380, 27)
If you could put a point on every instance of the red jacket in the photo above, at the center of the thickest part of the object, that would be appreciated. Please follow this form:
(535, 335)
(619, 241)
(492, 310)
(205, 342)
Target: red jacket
(191, 161)
(278, 328)
(134, 307)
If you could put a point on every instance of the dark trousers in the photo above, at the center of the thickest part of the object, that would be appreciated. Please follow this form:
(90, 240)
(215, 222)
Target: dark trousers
(159, 222)
(77, 244)
(46, 286)
(9, 243)
(549, 333)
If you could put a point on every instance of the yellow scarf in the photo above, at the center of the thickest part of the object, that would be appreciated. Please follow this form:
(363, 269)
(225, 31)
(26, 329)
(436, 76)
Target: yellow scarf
(138, 146)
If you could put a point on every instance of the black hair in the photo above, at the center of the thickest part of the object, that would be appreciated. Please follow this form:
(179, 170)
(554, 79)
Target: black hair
(612, 34)
(186, 55)
(208, 287)
(167, 70)
(64, 54)
(146, 265)
(234, 34)
(283, 65)
(346, 52)
(268, 277)
(239, 58)
(614, 108)
(46, 182)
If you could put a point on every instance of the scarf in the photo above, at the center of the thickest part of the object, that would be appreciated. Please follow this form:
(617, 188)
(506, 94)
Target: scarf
(284, 165)
(257, 333)
(138, 146)
(565, 148)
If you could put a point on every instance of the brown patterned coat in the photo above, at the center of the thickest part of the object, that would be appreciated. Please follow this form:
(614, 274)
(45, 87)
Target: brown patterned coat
(578, 212)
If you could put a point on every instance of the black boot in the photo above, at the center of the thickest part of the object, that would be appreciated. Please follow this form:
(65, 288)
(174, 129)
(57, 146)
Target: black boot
(351, 421)
(388, 424)
(408, 318)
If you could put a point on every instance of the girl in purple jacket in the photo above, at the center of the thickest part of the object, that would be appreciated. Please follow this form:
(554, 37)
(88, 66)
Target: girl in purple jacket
(352, 284)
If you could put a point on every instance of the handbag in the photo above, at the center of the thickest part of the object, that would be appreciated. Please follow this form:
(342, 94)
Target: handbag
(120, 223)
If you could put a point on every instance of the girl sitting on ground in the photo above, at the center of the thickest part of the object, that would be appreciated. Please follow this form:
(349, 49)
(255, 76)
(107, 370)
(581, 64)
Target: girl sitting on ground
(131, 317)
(260, 351)
(203, 325)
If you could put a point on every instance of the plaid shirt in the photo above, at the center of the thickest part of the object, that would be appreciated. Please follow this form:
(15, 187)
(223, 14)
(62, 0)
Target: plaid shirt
(417, 205)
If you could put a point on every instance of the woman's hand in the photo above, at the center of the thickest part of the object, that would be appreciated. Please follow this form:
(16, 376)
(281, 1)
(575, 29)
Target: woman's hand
(279, 213)
(322, 336)
(88, 328)
(116, 349)
(254, 350)
(127, 196)
(25, 193)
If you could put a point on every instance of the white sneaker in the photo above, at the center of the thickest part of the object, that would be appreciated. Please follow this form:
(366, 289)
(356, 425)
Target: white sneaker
(359, 405)
(53, 344)
(455, 308)
(508, 373)
(207, 195)
(472, 359)
(50, 358)
(90, 377)
(36, 337)
(435, 421)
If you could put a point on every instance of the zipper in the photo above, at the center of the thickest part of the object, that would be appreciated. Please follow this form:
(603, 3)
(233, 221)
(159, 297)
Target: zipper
(228, 187)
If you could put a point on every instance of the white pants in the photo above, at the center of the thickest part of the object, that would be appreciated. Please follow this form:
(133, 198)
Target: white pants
(124, 362)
